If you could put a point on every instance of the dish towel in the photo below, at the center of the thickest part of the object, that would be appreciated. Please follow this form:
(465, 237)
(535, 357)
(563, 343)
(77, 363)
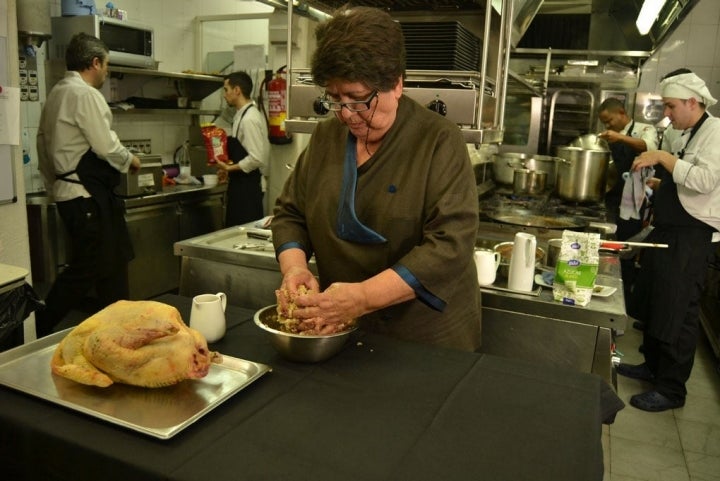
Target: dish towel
(634, 193)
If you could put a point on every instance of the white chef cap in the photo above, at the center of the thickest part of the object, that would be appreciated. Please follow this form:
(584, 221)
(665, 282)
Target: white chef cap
(685, 86)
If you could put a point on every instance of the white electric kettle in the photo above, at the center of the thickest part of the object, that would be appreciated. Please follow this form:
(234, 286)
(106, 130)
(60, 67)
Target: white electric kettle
(522, 262)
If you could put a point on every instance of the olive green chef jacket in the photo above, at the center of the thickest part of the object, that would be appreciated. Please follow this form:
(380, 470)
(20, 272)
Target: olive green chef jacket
(417, 191)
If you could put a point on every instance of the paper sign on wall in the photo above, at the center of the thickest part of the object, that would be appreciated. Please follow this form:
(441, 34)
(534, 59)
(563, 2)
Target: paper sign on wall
(9, 115)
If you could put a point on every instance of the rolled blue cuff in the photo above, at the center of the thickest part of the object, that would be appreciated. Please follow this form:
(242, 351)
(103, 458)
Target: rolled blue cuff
(425, 296)
(292, 245)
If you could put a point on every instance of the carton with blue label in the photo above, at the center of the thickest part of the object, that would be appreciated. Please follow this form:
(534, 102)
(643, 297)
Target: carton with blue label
(577, 268)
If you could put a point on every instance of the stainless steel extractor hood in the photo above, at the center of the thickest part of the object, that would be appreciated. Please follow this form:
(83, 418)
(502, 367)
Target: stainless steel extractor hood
(600, 25)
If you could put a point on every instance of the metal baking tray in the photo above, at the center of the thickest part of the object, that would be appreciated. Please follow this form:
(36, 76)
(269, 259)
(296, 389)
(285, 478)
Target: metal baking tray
(158, 412)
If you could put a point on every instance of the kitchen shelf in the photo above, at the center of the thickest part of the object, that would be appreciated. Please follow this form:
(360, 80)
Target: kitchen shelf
(193, 86)
(481, 125)
(116, 69)
(435, 6)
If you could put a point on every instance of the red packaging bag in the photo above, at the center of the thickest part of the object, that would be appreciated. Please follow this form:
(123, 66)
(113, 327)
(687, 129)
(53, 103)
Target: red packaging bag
(215, 143)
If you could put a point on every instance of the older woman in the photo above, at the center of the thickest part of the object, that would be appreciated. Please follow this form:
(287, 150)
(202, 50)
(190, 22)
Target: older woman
(384, 196)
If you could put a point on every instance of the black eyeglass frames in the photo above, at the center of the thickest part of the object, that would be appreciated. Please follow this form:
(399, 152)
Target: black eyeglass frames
(356, 106)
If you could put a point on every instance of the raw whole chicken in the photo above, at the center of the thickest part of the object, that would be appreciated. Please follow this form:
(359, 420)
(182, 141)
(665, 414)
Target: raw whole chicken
(142, 343)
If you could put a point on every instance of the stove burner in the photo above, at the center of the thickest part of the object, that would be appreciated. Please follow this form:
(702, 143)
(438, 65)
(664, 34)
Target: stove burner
(576, 210)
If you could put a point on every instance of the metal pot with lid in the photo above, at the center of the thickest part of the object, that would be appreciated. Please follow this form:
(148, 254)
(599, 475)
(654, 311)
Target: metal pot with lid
(582, 174)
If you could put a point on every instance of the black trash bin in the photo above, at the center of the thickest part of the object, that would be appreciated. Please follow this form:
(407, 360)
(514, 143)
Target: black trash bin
(15, 306)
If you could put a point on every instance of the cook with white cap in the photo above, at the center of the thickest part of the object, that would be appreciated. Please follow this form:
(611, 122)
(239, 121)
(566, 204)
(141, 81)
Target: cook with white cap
(686, 217)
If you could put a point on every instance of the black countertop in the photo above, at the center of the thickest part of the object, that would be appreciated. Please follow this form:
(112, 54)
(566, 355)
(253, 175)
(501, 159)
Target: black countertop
(382, 409)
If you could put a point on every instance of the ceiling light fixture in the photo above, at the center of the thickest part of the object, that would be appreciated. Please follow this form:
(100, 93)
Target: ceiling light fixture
(648, 14)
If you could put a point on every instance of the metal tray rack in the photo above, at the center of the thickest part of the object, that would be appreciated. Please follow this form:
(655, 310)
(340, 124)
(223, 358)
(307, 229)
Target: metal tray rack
(158, 412)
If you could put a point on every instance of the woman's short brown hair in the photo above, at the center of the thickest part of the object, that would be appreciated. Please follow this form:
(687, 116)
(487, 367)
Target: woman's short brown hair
(359, 44)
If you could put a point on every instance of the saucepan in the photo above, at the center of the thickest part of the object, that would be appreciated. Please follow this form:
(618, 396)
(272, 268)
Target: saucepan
(526, 181)
(505, 164)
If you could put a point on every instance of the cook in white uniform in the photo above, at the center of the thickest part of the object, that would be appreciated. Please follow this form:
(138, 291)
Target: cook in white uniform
(686, 206)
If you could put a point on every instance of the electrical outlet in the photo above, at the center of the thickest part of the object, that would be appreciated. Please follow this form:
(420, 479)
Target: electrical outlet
(143, 146)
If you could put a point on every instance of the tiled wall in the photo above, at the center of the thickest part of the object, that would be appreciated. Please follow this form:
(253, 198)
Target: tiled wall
(695, 44)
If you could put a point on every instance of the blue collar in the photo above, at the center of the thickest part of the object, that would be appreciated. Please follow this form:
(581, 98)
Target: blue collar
(349, 227)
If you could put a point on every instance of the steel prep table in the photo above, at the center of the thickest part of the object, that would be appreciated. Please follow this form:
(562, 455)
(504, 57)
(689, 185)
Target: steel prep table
(521, 326)
(382, 409)
(155, 223)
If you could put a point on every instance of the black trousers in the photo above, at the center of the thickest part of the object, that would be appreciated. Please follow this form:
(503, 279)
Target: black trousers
(92, 264)
(667, 299)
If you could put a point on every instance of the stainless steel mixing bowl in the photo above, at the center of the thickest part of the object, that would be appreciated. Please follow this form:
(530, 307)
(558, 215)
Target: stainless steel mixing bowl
(297, 347)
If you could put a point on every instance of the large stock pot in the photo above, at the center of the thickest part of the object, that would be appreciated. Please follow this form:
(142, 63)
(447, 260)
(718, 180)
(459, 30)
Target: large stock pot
(581, 174)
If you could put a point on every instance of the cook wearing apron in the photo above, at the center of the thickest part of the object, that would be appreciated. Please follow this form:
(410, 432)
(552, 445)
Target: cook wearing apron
(623, 156)
(624, 151)
(667, 292)
(244, 192)
(100, 242)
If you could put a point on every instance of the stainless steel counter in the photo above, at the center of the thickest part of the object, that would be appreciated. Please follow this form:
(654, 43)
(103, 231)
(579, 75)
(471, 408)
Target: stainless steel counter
(540, 329)
(603, 312)
(243, 267)
(168, 194)
(529, 327)
(155, 223)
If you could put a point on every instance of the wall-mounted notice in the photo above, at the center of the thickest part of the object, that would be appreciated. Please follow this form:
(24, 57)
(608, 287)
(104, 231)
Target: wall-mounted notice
(7, 176)
(9, 115)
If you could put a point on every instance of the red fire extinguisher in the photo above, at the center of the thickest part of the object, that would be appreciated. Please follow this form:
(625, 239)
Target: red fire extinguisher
(277, 109)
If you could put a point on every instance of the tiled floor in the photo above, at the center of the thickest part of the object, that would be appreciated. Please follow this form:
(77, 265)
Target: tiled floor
(678, 445)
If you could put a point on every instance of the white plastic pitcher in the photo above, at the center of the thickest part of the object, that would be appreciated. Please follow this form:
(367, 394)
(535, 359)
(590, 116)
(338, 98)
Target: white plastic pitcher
(522, 262)
(207, 315)
(486, 263)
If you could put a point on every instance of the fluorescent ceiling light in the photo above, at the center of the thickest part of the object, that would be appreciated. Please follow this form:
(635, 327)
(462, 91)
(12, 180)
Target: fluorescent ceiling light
(648, 13)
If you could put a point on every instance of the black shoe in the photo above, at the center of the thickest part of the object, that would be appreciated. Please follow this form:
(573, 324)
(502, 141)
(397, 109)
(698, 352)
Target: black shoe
(639, 325)
(654, 402)
(638, 371)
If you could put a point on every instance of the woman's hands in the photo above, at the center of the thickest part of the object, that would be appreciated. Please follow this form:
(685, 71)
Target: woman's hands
(339, 303)
(321, 313)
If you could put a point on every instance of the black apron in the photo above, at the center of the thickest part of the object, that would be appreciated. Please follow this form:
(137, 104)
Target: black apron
(669, 285)
(244, 192)
(100, 179)
(623, 157)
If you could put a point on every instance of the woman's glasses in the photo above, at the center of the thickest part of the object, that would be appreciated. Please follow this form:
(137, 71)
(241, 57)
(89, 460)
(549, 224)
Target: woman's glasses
(356, 106)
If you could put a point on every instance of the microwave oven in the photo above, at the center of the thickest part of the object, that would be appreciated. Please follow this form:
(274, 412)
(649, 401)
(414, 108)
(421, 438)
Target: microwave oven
(130, 44)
